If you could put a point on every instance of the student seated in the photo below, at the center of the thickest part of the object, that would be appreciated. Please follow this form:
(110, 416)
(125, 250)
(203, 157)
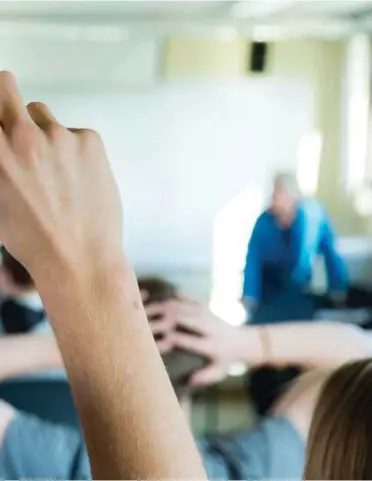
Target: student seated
(274, 448)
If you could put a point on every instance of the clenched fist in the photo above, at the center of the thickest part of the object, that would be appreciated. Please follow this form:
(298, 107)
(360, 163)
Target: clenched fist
(58, 198)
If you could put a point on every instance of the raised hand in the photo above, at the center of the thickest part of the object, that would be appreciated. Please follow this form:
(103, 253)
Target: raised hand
(58, 198)
(60, 215)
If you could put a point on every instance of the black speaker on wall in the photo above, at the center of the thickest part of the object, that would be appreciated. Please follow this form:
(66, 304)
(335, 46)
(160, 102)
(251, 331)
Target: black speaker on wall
(259, 56)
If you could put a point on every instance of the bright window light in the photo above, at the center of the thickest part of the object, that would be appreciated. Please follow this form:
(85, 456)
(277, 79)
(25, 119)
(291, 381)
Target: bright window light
(358, 79)
(232, 228)
(309, 154)
(237, 370)
(363, 201)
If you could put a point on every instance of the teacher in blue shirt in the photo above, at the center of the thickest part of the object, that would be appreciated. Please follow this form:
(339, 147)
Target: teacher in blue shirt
(286, 240)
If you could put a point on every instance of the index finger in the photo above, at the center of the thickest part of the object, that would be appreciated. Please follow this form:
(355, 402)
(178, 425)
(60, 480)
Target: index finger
(12, 107)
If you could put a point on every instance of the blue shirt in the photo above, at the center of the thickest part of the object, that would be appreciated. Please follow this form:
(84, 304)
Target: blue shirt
(281, 259)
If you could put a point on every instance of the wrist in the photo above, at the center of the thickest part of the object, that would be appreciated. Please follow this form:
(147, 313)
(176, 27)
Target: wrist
(65, 284)
(250, 348)
(73, 270)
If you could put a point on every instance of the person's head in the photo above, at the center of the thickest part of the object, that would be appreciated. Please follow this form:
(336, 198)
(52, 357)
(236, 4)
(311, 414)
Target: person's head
(15, 276)
(340, 439)
(180, 364)
(155, 289)
(286, 194)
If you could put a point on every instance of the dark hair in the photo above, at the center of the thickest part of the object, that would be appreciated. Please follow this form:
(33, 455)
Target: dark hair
(340, 439)
(180, 364)
(157, 289)
(15, 269)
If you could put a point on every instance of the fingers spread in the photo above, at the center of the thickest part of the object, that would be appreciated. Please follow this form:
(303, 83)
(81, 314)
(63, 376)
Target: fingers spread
(190, 343)
(191, 324)
(12, 108)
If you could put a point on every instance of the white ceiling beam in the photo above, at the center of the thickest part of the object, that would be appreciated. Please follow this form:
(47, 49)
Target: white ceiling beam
(260, 9)
(264, 30)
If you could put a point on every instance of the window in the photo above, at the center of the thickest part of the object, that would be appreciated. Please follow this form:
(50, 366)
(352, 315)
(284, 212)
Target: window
(232, 228)
(357, 111)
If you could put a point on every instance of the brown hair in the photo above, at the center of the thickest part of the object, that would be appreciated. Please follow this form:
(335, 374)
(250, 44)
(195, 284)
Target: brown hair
(340, 439)
(15, 269)
(157, 289)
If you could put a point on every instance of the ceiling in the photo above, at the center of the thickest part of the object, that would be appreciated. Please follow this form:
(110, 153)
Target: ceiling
(178, 9)
(323, 18)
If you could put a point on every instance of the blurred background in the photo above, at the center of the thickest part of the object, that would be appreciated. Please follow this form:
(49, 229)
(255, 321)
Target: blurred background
(200, 103)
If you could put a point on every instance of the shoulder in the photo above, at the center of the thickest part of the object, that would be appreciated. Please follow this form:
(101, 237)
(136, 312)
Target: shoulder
(266, 219)
(312, 209)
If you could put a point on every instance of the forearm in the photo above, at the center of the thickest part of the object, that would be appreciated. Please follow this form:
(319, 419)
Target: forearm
(28, 353)
(120, 386)
(323, 344)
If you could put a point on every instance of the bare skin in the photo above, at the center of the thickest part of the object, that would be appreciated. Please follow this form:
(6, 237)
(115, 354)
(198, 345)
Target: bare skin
(60, 215)
(310, 345)
(317, 347)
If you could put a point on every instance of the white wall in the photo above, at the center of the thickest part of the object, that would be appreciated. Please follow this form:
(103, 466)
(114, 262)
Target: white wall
(181, 153)
(49, 59)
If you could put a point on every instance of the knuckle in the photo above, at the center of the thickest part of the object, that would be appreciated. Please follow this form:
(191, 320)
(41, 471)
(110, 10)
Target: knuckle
(90, 141)
(91, 137)
(56, 131)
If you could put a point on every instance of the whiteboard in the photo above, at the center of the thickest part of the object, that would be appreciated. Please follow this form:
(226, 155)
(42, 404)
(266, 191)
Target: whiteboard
(181, 153)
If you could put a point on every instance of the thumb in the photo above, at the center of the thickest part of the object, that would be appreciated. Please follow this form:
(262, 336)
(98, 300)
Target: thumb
(211, 374)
